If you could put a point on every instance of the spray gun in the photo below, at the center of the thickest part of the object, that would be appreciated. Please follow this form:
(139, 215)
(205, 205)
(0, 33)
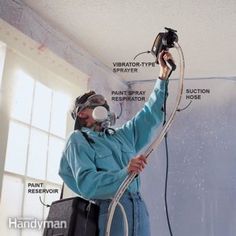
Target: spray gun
(164, 41)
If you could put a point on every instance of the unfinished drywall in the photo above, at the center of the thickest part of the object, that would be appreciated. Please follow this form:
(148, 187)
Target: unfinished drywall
(201, 186)
(31, 24)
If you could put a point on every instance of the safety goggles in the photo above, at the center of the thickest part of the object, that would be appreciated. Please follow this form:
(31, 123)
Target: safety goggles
(92, 102)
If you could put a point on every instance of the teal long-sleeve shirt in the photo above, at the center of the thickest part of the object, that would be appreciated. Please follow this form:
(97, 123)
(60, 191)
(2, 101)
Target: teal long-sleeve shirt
(96, 170)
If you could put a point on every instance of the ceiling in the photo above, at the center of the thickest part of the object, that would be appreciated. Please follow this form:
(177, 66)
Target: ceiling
(116, 30)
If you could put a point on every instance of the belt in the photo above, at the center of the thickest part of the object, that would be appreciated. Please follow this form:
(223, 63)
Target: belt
(127, 194)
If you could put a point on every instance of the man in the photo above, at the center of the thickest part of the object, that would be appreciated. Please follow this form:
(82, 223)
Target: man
(95, 162)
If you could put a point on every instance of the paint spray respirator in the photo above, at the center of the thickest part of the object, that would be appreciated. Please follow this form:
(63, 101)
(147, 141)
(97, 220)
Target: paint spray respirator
(164, 41)
(101, 113)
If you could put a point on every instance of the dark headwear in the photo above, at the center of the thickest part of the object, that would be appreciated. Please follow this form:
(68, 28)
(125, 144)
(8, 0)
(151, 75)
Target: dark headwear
(78, 105)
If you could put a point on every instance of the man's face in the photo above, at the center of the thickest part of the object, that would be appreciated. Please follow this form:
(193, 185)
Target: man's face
(87, 118)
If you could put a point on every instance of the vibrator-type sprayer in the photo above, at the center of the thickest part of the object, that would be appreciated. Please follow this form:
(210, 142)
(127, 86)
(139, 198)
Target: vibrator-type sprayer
(164, 41)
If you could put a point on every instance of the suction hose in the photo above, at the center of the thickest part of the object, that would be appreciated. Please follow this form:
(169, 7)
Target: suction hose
(151, 148)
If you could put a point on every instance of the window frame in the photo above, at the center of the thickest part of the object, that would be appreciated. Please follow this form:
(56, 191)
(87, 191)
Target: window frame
(6, 93)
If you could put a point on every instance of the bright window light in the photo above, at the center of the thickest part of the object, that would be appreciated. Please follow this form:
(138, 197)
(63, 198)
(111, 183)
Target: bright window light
(35, 138)
(22, 97)
(16, 156)
(32, 201)
(37, 154)
(42, 106)
(60, 107)
(10, 204)
(56, 146)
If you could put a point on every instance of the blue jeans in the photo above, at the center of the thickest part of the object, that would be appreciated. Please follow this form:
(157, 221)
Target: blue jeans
(136, 212)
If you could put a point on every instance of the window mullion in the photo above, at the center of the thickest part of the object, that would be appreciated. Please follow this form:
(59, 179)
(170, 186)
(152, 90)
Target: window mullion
(27, 156)
(49, 128)
(31, 178)
(37, 128)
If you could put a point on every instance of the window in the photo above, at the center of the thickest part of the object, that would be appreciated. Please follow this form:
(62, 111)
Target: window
(35, 140)
(37, 129)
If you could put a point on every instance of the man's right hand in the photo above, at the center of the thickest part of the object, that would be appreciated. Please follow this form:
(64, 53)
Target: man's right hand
(137, 164)
(164, 69)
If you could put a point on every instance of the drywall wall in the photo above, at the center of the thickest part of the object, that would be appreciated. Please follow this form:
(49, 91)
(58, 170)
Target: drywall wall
(201, 186)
